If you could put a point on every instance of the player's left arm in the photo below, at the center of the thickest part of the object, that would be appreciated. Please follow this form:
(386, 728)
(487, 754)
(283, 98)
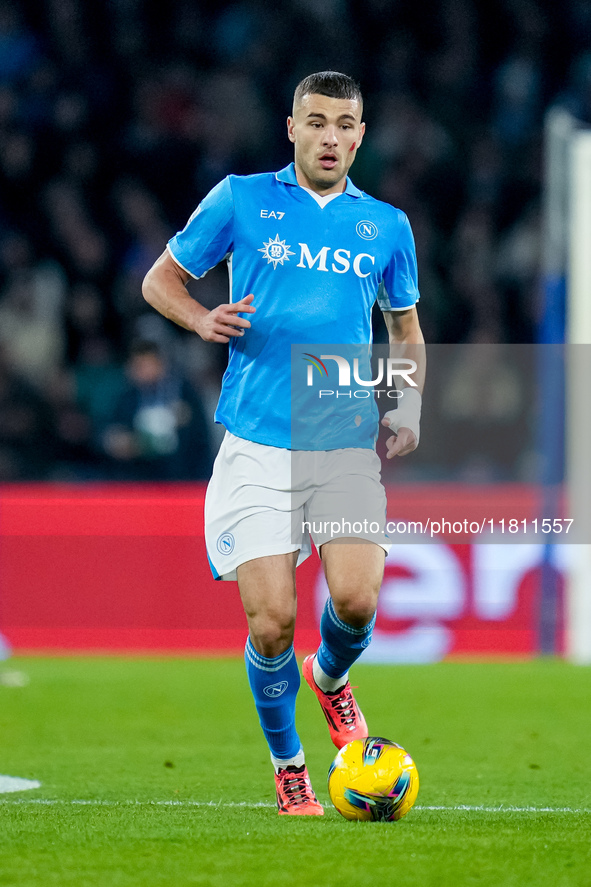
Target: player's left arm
(406, 342)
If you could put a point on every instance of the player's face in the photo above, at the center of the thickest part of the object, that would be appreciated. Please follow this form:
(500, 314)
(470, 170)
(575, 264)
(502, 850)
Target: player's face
(326, 134)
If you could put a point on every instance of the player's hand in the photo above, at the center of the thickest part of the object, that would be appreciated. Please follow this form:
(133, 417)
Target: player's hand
(405, 441)
(222, 323)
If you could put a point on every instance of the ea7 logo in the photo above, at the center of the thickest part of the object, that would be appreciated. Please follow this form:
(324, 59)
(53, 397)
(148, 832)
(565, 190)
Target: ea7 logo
(271, 214)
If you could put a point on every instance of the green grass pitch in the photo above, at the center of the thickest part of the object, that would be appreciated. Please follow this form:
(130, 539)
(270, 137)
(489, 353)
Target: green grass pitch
(154, 772)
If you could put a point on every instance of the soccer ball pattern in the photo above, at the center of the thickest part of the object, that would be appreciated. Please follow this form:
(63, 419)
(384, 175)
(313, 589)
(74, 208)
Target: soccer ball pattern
(373, 779)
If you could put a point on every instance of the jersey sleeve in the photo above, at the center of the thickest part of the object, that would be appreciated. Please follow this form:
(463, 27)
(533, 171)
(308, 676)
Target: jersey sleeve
(399, 287)
(208, 235)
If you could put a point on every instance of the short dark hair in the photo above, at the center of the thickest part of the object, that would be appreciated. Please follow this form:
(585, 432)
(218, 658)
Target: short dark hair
(329, 83)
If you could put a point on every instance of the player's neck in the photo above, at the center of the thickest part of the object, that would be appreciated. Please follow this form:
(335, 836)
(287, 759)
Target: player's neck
(305, 182)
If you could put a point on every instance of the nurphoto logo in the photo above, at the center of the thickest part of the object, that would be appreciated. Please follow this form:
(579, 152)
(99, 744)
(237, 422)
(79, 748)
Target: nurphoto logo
(390, 368)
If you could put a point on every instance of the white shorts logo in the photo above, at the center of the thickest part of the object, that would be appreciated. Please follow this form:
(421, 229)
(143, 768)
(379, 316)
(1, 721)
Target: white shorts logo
(275, 690)
(225, 543)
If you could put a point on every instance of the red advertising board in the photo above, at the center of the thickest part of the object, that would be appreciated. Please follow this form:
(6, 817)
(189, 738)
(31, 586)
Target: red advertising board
(123, 568)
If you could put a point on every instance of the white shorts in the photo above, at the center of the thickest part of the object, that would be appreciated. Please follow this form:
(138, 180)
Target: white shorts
(265, 500)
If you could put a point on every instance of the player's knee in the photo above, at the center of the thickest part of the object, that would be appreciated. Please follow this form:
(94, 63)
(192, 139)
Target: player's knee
(355, 609)
(272, 633)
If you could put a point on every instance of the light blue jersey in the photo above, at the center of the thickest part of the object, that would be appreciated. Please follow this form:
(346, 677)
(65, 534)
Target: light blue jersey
(315, 273)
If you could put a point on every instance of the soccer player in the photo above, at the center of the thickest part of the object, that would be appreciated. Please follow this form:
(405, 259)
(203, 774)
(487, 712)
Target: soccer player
(308, 254)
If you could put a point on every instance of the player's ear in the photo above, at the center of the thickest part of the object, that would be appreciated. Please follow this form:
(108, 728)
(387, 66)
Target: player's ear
(361, 134)
(290, 127)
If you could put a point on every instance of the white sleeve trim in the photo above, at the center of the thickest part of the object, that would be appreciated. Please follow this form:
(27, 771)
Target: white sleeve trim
(180, 264)
(194, 276)
(407, 308)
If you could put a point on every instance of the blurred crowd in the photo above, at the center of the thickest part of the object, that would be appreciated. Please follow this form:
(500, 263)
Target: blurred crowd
(117, 117)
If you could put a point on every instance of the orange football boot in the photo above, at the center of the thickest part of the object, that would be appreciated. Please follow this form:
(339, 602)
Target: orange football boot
(343, 715)
(295, 795)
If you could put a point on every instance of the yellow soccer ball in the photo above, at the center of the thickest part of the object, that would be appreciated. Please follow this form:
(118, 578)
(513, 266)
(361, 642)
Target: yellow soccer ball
(373, 779)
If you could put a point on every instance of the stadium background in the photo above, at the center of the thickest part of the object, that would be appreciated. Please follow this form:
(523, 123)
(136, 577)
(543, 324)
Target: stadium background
(115, 119)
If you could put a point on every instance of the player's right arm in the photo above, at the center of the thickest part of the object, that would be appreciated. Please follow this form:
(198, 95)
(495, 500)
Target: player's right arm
(206, 239)
(165, 289)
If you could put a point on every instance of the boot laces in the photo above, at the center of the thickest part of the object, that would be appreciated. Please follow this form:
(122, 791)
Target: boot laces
(297, 786)
(344, 706)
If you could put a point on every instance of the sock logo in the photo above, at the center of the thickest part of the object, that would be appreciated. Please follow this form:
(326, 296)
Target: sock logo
(275, 690)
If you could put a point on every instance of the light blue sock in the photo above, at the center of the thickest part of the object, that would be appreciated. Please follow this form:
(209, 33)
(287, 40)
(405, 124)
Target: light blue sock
(275, 684)
(341, 644)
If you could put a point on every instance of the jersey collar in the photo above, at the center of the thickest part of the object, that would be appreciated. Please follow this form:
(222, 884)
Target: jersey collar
(288, 175)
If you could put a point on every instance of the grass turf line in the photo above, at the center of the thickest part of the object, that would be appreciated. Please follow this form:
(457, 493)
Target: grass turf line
(122, 730)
